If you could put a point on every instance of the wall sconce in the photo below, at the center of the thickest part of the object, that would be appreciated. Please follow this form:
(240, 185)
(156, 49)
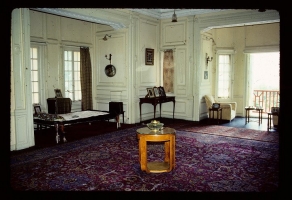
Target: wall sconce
(208, 59)
(104, 38)
(174, 18)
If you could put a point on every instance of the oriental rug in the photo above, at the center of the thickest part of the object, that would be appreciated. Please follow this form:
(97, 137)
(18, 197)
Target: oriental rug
(109, 162)
(250, 134)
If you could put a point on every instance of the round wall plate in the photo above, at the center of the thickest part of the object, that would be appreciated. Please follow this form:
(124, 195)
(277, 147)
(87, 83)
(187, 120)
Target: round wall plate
(110, 70)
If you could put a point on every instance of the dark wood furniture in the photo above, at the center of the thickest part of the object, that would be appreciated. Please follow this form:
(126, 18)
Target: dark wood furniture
(218, 113)
(156, 100)
(116, 108)
(166, 135)
(270, 116)
(59, 105)
(59, 123)
(248, 109)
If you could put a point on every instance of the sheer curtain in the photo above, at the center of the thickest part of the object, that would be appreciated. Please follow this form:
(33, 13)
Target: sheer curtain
(168, 71)
(86, 79)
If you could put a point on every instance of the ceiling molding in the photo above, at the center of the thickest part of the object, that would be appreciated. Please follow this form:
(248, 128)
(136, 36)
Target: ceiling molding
(167, 13)
(74, 15)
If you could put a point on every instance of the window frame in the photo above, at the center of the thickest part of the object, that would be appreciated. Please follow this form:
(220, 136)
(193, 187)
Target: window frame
(231, 53)
(40, 62)
(72, 49)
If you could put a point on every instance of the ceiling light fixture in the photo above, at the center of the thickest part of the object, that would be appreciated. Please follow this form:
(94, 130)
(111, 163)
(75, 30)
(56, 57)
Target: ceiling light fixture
(174, 18)
(104, 38)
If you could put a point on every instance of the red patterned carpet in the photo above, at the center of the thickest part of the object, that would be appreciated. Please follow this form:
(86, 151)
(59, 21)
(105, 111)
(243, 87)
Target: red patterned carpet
(109, 162)
(235, 132)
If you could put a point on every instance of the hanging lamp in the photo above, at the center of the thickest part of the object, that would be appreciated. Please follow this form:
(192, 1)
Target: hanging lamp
(174, 18)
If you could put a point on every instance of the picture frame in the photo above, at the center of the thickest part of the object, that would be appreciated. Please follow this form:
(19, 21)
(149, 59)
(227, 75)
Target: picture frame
(58, 93)
(149, 56)
(37, 109)
(161, 91)
(205, 75)
(216, 105)
(150, 92)
(156, 91)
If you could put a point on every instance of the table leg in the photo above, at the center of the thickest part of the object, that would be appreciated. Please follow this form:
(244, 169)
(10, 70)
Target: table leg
(173, 109)
(160, 109)
(167, 151)
(154, 109)
(143, 153)
(57, 134)
(140, 112)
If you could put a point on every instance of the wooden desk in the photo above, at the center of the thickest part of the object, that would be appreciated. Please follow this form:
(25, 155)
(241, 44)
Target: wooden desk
(154, 101)
(166, 135)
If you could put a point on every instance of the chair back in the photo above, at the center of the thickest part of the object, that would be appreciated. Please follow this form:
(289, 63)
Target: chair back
(209, 100)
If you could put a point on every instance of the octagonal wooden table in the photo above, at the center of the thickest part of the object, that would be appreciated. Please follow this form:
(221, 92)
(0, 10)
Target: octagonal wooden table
(166, 135)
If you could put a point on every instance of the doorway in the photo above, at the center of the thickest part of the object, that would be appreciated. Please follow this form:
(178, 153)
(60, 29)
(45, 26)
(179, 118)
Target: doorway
(263, 80)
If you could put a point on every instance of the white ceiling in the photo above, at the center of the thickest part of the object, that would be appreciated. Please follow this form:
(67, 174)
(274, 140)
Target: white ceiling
(167, 13)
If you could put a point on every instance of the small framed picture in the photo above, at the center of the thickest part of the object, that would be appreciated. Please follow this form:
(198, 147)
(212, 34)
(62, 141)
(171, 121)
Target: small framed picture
(58, 93)
(149, 56)
(205, 74)
(37, 109)
(156, 91)
(216, 105)
(150, 92)
(161, 91)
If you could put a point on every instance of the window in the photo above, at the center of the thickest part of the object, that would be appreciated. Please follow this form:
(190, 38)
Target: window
(35, 84)
(72, 74)
(224, 74)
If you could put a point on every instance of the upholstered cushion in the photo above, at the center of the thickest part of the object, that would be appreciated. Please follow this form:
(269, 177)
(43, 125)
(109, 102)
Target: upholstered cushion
(209, 100)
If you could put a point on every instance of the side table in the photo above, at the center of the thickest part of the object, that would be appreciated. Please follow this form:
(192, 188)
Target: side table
(218, 113)
(270, 115)
(260, 111)
(166, 135)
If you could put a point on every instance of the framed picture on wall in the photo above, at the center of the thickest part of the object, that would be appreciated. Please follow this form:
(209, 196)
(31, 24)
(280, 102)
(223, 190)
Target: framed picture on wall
(149, 56)
(205, 74)
(150, 92)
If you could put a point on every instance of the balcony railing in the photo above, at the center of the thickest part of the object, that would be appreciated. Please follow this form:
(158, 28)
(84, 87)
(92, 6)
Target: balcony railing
(266, 99)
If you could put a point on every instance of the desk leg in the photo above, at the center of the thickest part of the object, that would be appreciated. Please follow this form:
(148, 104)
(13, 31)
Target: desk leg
(140, 112)
(160, 109)
(154, 105)
(57, 134)
(173, 109)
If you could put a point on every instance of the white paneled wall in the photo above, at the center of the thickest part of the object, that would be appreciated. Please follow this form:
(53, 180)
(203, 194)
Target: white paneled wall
(127, 46)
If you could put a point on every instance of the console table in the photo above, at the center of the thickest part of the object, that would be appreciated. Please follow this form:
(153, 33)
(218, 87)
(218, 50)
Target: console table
(154, 101)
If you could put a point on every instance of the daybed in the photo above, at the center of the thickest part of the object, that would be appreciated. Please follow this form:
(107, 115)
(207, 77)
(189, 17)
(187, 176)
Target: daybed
(59, 120)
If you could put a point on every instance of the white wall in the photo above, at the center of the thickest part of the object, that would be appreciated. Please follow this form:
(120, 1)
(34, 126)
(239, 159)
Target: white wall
(127, 46)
